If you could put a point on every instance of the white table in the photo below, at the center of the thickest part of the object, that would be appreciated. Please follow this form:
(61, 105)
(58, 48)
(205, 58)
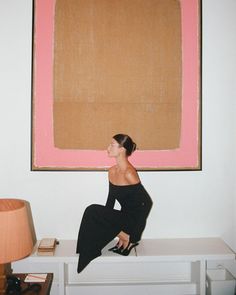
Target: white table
(154, 261)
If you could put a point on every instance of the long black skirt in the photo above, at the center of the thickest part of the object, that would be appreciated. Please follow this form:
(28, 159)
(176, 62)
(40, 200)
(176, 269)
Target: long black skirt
(99, 226)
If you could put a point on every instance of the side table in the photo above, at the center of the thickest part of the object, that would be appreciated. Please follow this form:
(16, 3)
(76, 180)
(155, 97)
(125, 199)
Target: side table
(45, 286)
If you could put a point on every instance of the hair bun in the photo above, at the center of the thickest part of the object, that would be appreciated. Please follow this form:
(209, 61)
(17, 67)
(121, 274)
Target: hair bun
(134, 147)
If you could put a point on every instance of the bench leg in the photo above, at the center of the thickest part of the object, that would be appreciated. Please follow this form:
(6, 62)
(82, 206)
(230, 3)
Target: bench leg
(203, 277)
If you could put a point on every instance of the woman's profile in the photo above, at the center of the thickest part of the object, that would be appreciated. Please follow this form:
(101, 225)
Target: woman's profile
(101, 224)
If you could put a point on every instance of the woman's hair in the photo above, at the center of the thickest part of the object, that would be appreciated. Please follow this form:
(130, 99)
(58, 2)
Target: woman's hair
(126, 142)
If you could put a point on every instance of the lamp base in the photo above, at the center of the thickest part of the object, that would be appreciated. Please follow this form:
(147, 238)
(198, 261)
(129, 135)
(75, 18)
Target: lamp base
(5, 269)
(3, 281)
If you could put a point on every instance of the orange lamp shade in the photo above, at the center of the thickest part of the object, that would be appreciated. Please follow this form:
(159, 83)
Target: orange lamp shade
(16, 239)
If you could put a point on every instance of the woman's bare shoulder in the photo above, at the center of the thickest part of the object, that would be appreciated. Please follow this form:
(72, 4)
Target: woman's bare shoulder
(111, 171)
(131, 175)
(112, 168)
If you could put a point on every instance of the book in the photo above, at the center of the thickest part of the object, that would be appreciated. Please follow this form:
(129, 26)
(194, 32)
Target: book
(46, 253)
(35, 277)
(47, 246)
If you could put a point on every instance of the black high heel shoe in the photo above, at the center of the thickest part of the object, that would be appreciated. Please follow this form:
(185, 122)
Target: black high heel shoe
(114, 248)
(126, 251)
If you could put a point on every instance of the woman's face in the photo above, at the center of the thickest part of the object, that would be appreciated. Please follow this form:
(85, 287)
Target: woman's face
(113, 149)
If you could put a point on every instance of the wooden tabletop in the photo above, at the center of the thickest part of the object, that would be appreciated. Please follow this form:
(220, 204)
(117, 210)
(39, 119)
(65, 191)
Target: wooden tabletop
(45, 286)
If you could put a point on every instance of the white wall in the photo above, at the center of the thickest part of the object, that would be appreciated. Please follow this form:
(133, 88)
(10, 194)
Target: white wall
(186, 204)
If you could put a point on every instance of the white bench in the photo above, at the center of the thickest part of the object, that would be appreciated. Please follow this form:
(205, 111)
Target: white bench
(159, 266)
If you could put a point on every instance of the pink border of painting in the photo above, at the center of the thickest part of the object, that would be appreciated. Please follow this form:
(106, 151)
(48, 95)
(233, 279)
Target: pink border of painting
(47, 156)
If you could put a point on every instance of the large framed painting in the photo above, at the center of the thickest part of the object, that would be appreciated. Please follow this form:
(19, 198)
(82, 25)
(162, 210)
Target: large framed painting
(102, 67)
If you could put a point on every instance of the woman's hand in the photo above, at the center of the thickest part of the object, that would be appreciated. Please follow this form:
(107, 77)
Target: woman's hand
(123, 240)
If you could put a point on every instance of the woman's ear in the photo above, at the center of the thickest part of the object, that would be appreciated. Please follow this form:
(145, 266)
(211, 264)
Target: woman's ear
(122, 150)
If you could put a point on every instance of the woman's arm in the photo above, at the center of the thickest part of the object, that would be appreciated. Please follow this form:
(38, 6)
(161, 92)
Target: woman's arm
(136, 233)
(110, 203)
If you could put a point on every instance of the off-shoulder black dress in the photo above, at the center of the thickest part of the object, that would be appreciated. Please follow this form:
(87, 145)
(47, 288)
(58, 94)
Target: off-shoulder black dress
(101, 224)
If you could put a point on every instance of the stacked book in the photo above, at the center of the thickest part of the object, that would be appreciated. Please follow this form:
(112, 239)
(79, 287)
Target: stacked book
(47, 246)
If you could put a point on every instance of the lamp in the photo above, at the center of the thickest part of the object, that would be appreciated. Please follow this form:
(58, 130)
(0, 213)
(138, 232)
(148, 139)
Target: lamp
(17, 236)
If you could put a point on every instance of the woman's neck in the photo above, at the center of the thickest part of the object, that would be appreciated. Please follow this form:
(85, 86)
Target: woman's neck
(122, 162)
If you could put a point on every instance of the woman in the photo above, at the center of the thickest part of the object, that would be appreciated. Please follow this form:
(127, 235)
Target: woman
(101, 224)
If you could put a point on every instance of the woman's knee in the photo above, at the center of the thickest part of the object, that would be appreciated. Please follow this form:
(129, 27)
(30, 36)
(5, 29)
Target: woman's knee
(92, 208)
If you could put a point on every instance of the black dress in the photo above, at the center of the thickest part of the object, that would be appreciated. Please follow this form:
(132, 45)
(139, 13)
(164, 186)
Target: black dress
(101, 224)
